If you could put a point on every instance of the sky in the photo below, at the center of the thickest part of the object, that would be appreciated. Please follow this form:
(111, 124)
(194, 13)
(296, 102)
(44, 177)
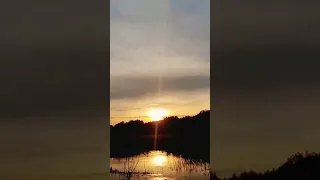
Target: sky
(265, 83)
(159, 58)
(54, 91)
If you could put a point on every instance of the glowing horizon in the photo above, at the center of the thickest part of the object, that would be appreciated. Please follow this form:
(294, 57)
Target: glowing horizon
(158, 114)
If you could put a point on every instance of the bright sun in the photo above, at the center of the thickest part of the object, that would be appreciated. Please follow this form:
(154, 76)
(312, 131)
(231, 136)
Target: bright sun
(158, 114)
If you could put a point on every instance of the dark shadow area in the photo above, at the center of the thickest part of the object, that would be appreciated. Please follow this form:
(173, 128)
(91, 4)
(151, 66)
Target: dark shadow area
(188, 137)
(302, 166)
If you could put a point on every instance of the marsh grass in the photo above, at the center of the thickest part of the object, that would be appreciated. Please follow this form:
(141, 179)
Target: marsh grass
(191, 166)
(127, 173)
(181, 165)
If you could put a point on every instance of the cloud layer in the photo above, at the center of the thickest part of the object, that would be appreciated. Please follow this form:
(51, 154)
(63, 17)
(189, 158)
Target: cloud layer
(158, 46)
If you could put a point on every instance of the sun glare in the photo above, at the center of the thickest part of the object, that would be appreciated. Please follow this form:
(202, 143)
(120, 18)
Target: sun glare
(158, 114)
(159, 160)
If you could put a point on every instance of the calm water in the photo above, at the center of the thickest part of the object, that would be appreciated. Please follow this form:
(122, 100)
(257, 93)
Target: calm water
(161, 166)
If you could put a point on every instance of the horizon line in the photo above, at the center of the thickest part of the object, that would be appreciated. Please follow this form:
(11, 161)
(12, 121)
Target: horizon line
(148, 117)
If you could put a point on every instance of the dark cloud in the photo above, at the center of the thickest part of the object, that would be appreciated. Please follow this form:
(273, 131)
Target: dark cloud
(265, 45)
(54, 88)
(265, 82)
(53, 81)
(267, 66)
(133, 87)
(54, 58)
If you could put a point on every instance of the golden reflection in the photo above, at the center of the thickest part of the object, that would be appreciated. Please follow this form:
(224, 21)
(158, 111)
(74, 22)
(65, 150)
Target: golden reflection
(159, 160)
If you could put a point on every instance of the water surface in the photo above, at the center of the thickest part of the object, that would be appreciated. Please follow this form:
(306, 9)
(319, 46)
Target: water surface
(159, 165)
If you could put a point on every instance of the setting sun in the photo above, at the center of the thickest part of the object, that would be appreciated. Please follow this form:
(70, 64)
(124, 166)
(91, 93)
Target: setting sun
(158, 114)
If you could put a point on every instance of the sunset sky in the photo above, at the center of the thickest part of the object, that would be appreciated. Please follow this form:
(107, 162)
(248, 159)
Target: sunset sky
(160, 57)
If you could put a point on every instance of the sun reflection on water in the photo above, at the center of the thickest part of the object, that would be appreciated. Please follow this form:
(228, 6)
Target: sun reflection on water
(159, 160)
(160, 165)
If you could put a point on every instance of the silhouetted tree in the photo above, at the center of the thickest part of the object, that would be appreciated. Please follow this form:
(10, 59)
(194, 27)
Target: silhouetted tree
(188, 136)
(298, 166)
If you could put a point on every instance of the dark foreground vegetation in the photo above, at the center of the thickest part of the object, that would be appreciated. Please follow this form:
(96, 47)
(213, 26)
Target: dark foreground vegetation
(187, 136)
(299, 166)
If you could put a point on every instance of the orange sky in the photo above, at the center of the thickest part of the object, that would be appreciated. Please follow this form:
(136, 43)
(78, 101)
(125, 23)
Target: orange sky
(178, 104)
